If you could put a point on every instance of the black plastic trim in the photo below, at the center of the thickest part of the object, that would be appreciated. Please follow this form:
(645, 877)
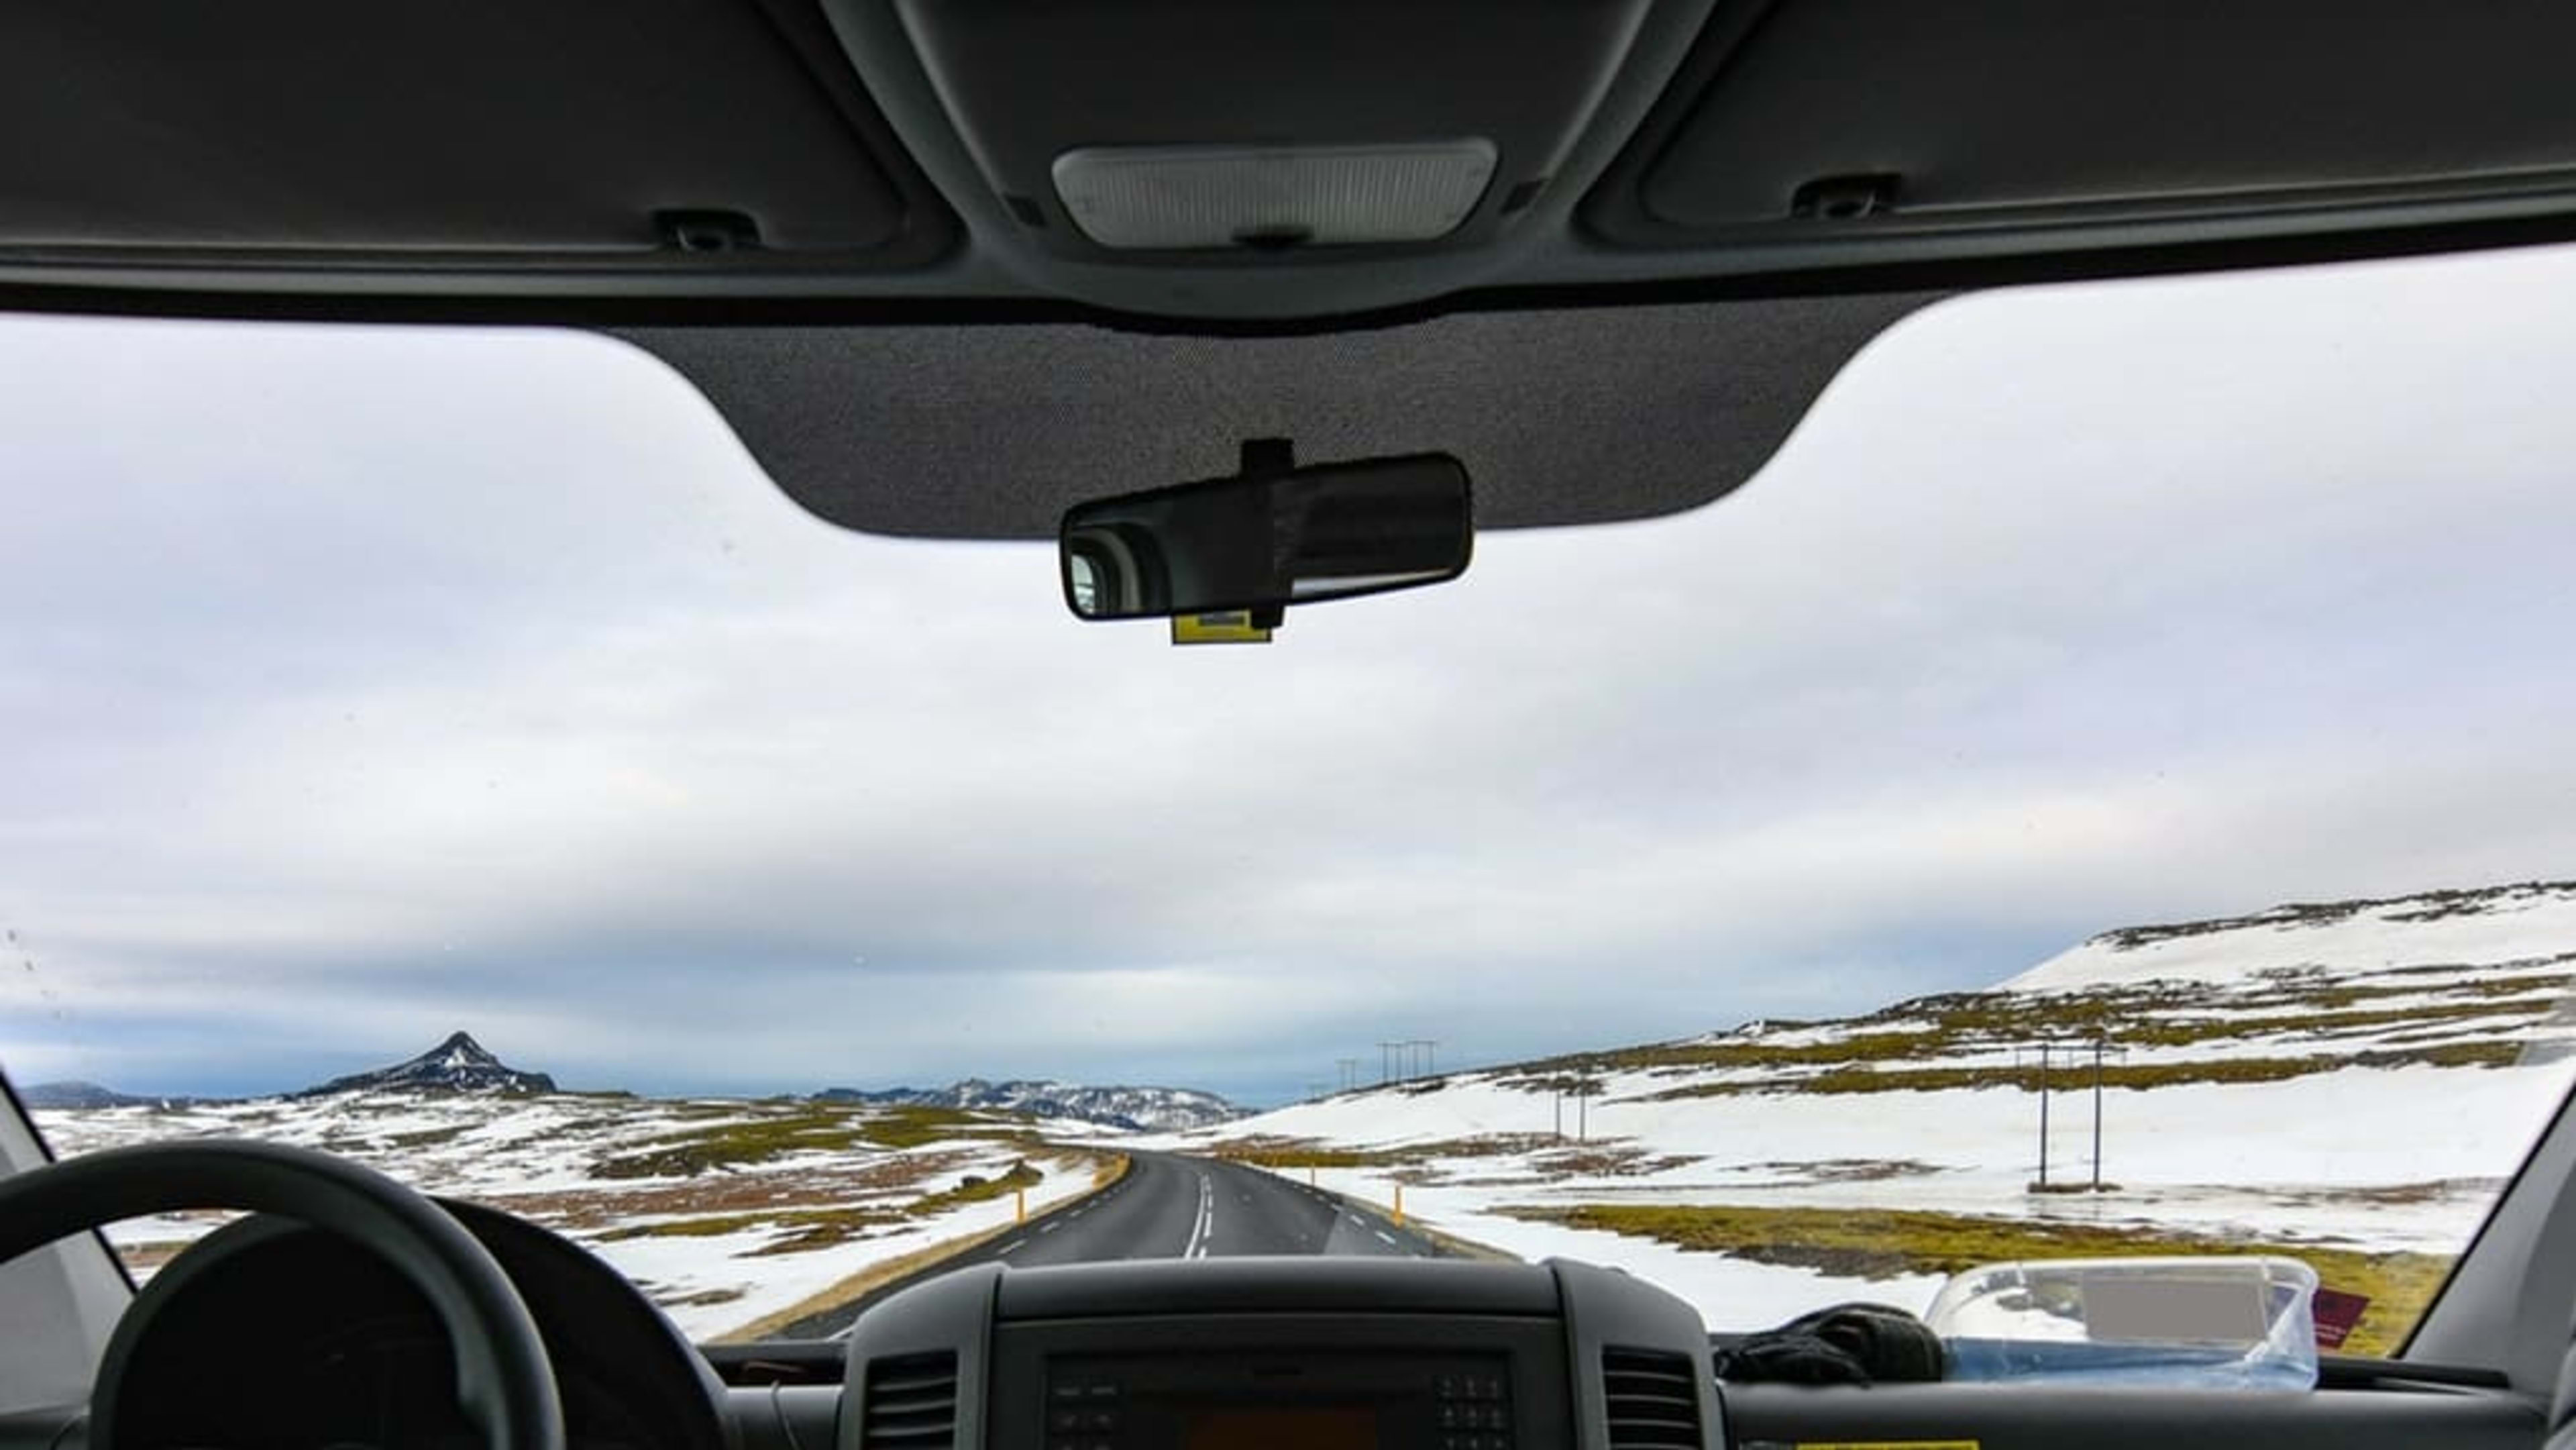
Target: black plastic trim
(601, 298)
(930, 229)
(1275, 1286)
(777, 1362)
(2356, 1372)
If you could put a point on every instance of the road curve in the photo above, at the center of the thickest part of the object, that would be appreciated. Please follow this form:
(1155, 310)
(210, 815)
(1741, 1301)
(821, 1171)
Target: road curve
(1170, 1207)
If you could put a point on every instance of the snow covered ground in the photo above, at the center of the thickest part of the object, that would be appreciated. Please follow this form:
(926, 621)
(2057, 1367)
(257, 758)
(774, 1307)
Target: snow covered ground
(2351, 1078)
(726, 1212)
(2359, 1076)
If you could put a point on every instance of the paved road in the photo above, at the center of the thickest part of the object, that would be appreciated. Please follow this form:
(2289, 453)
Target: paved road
(1173, 1208)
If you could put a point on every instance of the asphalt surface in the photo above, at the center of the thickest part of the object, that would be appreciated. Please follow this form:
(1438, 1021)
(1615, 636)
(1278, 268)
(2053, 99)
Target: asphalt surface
(1169, 1207)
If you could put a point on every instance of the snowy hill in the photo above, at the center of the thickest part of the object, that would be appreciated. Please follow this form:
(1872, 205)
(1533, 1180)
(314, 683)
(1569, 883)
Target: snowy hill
(1153, 1109)
(2532, 924)
(2350, 1081)
(458, 1065)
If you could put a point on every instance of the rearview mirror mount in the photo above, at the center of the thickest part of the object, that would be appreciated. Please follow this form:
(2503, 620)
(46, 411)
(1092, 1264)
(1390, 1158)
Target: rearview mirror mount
(1271, 536)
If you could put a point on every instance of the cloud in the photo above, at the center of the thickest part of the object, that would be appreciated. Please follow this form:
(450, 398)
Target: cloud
(360, 685)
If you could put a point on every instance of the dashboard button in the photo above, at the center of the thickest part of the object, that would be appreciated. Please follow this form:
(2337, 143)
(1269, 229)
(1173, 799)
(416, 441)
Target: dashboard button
(1104, 1389)
(1063, 1420)
(1064, 1390)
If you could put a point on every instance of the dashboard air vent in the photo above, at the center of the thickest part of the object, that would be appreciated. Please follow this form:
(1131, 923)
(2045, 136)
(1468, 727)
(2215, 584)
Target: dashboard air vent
(912, 1403)
(1652, 1399)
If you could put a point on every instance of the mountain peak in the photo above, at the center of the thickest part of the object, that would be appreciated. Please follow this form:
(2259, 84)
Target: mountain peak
(457, 1065)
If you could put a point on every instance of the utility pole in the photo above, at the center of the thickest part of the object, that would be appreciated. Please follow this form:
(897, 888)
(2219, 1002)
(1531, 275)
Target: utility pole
(1350, 1067)
(2044, 1050)
(2098, 1114)
(1387, 1062)
(2099, 1047)
(1560, 1114)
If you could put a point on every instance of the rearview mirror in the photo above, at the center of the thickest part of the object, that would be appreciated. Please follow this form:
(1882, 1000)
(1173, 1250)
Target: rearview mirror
(1269, 538)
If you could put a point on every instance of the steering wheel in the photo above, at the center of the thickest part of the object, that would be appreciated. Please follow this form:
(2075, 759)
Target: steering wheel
(504, 1382)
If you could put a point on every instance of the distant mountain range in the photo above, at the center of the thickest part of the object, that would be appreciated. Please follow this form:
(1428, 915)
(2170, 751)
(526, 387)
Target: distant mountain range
(1149, 1109)
(60, 1095)
(462, 1065)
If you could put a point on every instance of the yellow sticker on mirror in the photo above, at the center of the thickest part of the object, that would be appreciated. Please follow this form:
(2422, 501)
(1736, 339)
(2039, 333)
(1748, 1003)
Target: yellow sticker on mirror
(1234, 626)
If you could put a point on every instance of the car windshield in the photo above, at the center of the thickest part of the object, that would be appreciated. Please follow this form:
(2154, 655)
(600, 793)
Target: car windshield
(2102, 789)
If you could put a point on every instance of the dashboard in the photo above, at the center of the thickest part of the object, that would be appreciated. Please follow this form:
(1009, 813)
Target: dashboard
(270, 1336)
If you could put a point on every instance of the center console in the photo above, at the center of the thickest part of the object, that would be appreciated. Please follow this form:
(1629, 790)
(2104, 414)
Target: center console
(1306, 1354)
(1301, 1383)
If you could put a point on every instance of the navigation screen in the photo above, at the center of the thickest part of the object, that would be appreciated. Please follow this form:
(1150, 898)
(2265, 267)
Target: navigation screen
(1273, 1428)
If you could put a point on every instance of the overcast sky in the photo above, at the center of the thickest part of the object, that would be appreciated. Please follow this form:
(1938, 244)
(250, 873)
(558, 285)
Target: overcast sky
(357, 686)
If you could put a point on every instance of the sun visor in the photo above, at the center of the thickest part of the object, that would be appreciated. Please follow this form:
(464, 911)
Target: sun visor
(1812, 121)
(596, 129)
(1561, 417)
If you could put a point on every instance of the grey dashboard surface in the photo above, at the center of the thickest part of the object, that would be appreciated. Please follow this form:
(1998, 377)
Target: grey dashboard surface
(2028, 1417)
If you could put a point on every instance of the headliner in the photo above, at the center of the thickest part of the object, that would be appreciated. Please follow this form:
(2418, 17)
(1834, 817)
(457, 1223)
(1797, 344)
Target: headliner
(835, 217)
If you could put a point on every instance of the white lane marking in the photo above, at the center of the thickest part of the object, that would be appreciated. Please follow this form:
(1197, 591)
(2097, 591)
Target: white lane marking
(1196, 1248)
(1006, 1248)
(1050, 1226)
(1382, 1238)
